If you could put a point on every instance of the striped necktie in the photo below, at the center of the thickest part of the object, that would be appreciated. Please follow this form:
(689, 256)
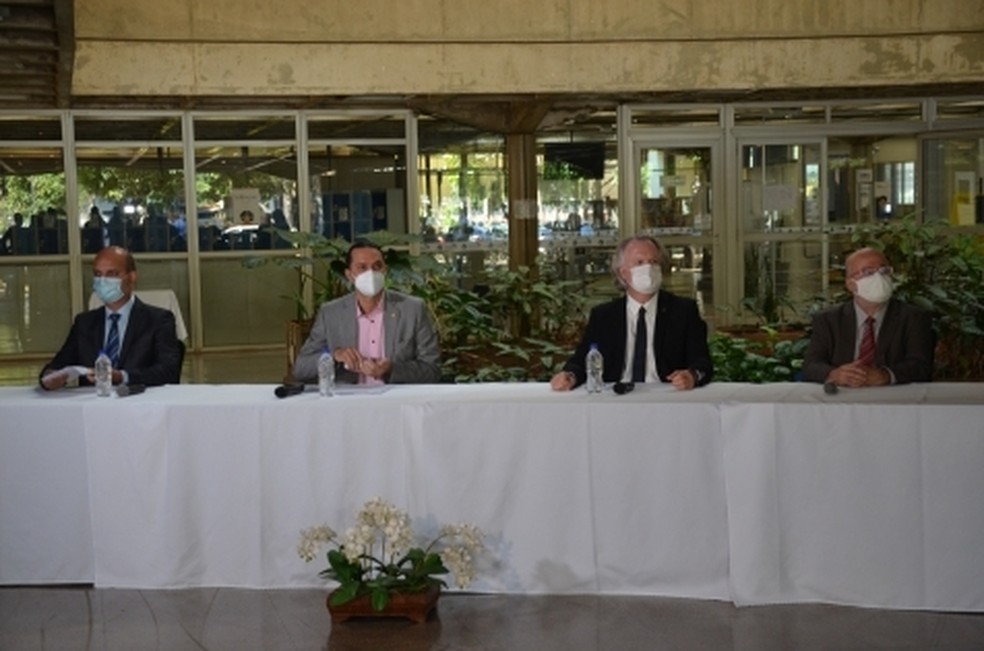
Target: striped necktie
(866, 353)
(113, 340)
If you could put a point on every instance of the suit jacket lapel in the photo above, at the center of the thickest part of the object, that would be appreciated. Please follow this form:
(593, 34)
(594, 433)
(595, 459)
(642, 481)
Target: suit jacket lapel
(99, 338)
(662, 309)
(391, 325)
(133, 325)
(887, 331)
(619, 330)
(348, 323)
(848, 333)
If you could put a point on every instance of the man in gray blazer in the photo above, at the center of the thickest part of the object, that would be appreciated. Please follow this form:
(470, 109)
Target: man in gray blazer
(375, 335)
(873, 339)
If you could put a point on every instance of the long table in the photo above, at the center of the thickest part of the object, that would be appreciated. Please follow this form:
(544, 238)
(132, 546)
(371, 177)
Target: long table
(748, 493)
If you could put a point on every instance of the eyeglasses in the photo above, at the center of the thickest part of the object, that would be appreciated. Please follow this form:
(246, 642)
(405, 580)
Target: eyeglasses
(864, 272)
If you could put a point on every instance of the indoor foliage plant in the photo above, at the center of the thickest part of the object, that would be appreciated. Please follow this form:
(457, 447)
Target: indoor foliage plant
(380, 556)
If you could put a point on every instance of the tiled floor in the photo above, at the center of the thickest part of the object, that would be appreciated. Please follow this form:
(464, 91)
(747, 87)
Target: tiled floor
(61, 618)
(243, 620)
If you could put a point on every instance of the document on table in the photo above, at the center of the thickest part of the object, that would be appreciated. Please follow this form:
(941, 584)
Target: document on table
(69, 373)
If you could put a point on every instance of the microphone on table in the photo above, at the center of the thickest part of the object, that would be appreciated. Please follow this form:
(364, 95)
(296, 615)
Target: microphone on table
(125, 390)
(830, 388)
(287, 390)
(621, 388)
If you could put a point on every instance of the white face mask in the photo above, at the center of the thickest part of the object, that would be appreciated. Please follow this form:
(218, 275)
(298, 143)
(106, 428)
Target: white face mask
(370, 283)
(646, 278)
(876, 288)
(109, 290)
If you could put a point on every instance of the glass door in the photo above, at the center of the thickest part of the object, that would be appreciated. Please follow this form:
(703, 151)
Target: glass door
(675, 204)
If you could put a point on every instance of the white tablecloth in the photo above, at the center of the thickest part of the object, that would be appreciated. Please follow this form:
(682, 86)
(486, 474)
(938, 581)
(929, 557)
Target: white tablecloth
(754, 494)
(874, 497)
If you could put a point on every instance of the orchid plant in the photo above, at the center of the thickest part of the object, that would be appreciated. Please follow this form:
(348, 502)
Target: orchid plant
(377, 556)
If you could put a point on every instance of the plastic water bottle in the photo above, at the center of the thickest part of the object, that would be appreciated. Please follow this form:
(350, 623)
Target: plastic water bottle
(326, 373)
(595, 365)
(104, 375)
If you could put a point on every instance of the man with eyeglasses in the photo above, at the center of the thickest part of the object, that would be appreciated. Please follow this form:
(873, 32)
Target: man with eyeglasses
(873, 339)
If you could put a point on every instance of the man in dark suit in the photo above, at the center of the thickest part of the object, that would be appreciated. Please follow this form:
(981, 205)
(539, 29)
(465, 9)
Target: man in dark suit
(874, 339)
(672, 346)
(140, 338)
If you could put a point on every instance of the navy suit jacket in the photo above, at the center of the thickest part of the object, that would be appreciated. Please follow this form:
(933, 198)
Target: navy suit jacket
(680, 340)
(905, 343)
(151, 353)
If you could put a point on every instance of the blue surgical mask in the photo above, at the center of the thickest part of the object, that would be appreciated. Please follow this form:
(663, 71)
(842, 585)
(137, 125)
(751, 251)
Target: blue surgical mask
(109, 290)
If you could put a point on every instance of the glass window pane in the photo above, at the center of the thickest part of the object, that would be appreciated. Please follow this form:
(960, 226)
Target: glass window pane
(895, 111)
(676, 189)
(462, 185)
(35, 307)
(32, 200)
(118, 128)
(676, 116)
(860, 169)
(780, 188)
(348, 126)
(24, 127)
(690, 274)
(578, 186)
(244, 127)
(783, 279)
(132, 197)
(971, 109)
(953, 179)
(357, 190)
(243, 194)
(245, 306)
(776, 115)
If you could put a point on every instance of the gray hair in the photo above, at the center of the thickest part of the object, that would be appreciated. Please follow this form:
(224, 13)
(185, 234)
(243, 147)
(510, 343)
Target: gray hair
(619, 256)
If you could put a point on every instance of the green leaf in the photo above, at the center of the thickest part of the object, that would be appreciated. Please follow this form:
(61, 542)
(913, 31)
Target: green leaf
(380, 599)
(344, 594)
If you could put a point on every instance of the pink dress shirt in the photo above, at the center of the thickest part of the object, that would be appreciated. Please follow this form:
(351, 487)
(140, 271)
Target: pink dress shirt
(371, 336)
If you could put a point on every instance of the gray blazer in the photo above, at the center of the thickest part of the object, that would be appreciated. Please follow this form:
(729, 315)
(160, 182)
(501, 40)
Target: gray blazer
(905, 342)
(410, 340)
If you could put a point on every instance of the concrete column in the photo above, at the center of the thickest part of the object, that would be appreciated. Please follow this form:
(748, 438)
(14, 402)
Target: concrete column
(523, 232)
(521, 170)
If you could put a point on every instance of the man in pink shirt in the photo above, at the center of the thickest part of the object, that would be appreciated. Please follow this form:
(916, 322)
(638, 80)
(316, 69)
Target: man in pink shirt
(375, 335)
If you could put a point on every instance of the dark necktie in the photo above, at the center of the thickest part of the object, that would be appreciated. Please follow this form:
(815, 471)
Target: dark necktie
(866, 353)
(639, 357)
(113, 340)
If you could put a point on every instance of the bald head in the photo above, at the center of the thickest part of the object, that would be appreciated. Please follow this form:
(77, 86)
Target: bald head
(115, 262)
(119, 255)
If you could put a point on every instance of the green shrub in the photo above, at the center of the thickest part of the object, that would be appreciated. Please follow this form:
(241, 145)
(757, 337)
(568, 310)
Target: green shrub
(737, 359)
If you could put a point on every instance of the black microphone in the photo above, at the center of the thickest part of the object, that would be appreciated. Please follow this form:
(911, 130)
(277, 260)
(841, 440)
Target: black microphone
(621, 388)
(286, 390)
(125, 390)
(830, 388)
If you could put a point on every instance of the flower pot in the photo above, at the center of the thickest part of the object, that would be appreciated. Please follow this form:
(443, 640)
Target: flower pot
(415, 606)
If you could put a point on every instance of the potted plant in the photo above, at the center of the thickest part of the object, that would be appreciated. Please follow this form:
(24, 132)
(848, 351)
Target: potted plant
(381, 568)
